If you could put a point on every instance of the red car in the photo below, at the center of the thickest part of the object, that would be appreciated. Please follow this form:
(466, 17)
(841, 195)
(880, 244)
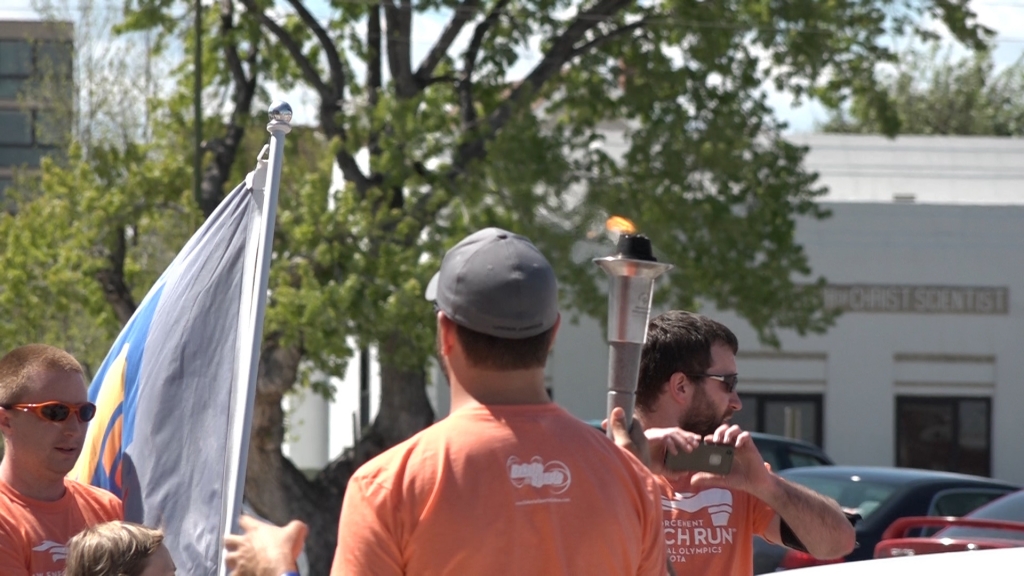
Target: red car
(998, 524)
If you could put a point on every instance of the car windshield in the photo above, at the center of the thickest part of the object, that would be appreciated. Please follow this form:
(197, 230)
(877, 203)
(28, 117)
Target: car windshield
(863, 497)
(1007, 508)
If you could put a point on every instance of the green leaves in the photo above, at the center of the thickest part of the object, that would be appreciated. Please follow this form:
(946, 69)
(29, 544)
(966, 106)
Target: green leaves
(71, 225)
(933, 93)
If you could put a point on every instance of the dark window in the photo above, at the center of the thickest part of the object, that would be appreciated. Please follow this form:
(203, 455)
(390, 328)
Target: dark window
(11, 87)
(795, 416)
(14, 156)
(15, 58)
(15, 127)
(952, 434)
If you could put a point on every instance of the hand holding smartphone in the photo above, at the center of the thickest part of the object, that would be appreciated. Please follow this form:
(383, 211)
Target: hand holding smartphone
(714, 458)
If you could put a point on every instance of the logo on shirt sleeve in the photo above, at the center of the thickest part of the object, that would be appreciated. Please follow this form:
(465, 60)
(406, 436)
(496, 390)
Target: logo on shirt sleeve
(537, 474)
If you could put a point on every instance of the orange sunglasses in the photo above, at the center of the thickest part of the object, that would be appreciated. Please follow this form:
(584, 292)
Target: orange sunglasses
(56, 411)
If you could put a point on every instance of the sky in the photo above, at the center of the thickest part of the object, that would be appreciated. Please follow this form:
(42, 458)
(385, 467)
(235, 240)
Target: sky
(1006, 17)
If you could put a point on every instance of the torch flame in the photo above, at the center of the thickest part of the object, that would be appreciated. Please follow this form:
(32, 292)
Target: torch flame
(620, 225)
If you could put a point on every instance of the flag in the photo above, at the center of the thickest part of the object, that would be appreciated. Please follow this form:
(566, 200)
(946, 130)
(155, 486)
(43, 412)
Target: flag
(174, 394)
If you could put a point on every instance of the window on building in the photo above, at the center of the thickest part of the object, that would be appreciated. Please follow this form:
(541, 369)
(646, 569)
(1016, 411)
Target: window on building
(795, 416)
(15, 58)
(17, 127)
(952, 434)
(25, 135)
(10, 88)
(21, 156)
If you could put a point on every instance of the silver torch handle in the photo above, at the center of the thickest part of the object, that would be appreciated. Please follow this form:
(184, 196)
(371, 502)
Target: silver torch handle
(630, 290)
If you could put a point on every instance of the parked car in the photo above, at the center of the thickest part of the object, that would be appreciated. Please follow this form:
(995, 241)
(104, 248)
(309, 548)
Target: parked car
(998, 524)
(880, 496)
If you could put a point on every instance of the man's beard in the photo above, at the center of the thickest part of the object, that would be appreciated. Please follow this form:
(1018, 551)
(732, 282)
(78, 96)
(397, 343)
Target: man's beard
(440, 359)
(700, 417)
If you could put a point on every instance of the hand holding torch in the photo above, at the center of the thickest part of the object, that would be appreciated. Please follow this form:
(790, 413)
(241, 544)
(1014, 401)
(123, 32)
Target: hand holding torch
(631, 271)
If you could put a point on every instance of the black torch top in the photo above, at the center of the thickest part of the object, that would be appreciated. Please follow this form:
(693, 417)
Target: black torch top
(635, 247)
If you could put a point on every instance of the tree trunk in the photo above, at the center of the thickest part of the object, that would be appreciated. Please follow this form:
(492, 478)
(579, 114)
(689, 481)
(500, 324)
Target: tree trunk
(404, 407)
(112, 281)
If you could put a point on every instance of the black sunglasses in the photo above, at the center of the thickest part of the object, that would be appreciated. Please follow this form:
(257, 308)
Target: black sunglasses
(730, 380)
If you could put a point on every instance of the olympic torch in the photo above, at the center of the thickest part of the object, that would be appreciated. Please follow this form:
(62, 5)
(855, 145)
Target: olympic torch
(631, 274)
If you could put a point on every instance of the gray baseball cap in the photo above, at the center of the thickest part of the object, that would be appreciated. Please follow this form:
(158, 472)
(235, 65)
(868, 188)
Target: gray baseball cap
(497, 283)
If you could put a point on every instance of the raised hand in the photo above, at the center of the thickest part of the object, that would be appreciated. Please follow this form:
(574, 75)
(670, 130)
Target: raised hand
(748, 472)
(264, 549)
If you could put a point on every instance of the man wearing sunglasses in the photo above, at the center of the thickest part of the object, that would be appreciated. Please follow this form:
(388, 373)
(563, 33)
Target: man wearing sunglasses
(686, 394)
(44, 412)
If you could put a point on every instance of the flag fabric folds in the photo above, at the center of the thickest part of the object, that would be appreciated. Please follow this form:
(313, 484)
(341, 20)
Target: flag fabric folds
(165, 393)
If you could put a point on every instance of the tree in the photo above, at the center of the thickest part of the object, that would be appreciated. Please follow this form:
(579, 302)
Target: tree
(456, 140)
(935, 93)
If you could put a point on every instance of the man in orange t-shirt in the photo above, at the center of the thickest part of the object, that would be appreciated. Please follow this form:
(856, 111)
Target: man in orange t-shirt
(687, 393)
(509, 483)
(43, 415)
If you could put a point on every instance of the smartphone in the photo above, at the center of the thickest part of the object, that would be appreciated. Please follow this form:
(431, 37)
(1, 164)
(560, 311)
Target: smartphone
(714, 458)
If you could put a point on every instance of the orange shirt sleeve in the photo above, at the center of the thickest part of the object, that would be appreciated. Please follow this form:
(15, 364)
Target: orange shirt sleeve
(761, 514)
(366, 540)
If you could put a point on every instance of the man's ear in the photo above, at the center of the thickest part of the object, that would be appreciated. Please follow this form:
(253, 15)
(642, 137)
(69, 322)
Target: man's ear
(680, 388)
(446, 334)
(5, 420)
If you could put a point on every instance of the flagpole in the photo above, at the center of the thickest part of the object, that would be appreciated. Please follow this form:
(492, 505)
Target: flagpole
(253, 311)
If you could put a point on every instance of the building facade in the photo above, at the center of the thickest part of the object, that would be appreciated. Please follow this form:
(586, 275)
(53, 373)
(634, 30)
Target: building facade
(32, 53)
(924, 252)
